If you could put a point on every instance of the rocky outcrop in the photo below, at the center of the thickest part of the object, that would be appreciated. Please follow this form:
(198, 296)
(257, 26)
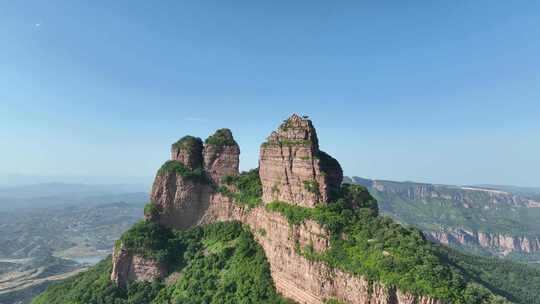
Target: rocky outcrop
(129, 267)
(296, 277)
(221, 155)
(503, 244)
(188, 151)
(180, 201)
(293, 169)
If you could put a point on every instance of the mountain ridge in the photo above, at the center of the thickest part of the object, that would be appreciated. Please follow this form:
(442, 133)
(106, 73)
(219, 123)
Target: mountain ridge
(323, 241)
(418, 204)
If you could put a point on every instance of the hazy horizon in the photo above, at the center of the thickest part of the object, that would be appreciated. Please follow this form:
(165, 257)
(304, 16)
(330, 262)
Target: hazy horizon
(426, 92)
(144, 183)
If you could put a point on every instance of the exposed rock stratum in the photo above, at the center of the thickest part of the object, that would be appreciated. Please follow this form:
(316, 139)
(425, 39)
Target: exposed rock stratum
(292, 169)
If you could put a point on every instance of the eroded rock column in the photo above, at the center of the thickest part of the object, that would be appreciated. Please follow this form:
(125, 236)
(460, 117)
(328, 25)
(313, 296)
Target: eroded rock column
(293, 169)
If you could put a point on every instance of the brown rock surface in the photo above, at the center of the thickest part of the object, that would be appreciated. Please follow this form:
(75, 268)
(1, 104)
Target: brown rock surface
(221, 155)
(504, 244)
(180, 200)
(293, 169)
(295, 276)
(128, 267)
(188, 150)
(289, 159)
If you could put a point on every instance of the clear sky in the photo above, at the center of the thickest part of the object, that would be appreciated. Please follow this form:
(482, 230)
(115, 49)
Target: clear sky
(435, 91)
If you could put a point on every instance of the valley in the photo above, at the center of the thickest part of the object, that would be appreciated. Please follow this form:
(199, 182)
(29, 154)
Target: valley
(44, 245)
(478, 219)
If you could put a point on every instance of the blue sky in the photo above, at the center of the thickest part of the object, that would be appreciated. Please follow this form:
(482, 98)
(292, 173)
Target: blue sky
(435, 91)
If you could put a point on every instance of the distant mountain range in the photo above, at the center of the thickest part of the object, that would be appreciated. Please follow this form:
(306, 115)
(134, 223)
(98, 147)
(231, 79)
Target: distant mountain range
(42, 245)
(56, 194)
(488, 219)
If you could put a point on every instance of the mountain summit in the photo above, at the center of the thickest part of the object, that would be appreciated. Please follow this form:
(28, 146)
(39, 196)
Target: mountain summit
(288, 231)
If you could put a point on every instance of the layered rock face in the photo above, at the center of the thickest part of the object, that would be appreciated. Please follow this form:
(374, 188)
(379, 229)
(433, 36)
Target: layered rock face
(295, 277)
(183, 200)
(293, 169)
(180, 201)
(502, 243)
(221, 155)
(188, 151)
(129, 267)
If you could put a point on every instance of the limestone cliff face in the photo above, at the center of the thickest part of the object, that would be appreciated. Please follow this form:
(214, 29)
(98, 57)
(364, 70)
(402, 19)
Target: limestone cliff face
(293, 169)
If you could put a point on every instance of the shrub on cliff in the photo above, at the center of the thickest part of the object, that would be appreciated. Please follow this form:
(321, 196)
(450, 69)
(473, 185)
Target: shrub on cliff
(222, 137)
(247, 185)
(188, 142)
(224, 265)
(150, 240)
(358, 197)
(219, 263)
(177, 167)
(151, 210)
(380, 249)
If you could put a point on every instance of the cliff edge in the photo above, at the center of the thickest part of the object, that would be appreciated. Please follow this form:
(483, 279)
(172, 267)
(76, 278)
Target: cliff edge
(323, 241)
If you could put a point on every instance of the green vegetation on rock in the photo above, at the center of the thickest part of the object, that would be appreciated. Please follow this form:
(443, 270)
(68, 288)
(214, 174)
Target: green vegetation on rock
(150, 240)
(93, 286)
(248, 188)
(151, 210)
(516, 281)
(188, 142)
(289, 142)
(332, 301)
(379, 249)
(196, 174)
(312, 186)
(219, 263)
(222, 137)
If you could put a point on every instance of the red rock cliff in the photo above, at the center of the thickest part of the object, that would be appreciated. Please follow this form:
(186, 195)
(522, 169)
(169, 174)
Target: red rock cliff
(292, 169)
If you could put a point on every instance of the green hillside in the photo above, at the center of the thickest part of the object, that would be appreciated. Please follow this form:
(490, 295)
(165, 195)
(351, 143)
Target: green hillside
(221, 263)
(462, 213)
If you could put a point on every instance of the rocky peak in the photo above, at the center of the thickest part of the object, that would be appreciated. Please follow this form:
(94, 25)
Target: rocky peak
(188, 151)
(221, 155)
(295, 129)
(293, 169)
